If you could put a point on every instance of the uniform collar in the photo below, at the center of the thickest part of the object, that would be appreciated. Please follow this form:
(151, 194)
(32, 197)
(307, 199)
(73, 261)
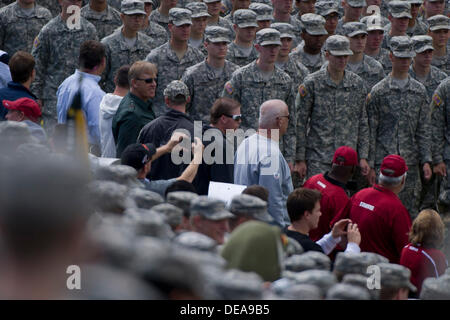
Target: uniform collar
(335, 182)
(392, 85)
(94, 77)
(19, 13)
(139, 102)
(123, 45)
(107, 14)
(345, 83)
(383, 189)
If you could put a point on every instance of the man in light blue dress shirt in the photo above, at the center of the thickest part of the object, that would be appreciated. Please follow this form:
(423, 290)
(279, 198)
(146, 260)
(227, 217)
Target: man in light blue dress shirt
(258, 159)
(92, 64)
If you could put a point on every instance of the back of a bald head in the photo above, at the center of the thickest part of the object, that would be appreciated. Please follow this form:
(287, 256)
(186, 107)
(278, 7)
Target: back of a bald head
(269, 111)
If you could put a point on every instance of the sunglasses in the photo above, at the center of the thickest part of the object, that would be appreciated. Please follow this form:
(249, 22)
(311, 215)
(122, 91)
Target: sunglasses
(288, 116)
(235, 117)
(148, 80)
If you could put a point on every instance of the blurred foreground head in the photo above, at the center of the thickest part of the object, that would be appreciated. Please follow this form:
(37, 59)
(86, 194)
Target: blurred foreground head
(43, 205)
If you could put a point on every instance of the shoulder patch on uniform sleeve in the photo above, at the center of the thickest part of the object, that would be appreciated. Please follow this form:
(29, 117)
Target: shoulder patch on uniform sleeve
(36, 42)
(302, 90)
(229, 87)
(436, 99)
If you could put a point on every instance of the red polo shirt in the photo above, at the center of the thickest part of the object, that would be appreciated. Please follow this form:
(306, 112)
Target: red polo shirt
(423, 263)
(334, 199)
(382, 219)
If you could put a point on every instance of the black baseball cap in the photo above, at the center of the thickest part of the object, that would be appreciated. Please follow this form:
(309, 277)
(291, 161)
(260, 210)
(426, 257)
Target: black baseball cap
(136, 155)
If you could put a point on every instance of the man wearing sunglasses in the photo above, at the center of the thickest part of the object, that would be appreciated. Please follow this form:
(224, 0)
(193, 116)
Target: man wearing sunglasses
(135, 109)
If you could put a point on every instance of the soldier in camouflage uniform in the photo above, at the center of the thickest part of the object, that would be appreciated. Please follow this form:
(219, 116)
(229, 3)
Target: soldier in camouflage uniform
(439, 26)
(329, 9)
(241, 51)
(370, 70)
(430, 76)
(314, 34)
(157, 33)
(440, 105)
(353, 10)
(260, 81)
(331, 112)
(282, 13)
(175, 56)
(105, 18)
(295, 69)
(20, 23)
(161, 15)
(399, 15)
(56, 50)
(199, 16)
(215, 19)
(375, 34)
(52, 5)
(206, 79)
(119, 51)
(416, 27)
(264, 15)
(399, 119)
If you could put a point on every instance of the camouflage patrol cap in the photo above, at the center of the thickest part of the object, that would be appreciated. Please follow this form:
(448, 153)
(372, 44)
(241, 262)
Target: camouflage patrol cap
(355, 262)
(321, 261)
(198, 9)
(268, 2)
(395, 276)
(209, 208)
(438, 22)
(313, 24)
(338, 46)
(373, 23)
(263, 11)
(400, 9)
(132, 7)
(422, 43)
(402, 47)
(320, 278)
(180, 16)
(109, 197)
(145, 199)
(352, 29)
(217, 34)
(342, 291)
(182, 200)
(324, 8)
(175, 88)
(286, 29)
(298, 263)
(245, 205)
(268, 36)
(361, 281)
(245, 18)
(149, 223)
(357, 3)
(302, 292)
(240, 285)
(122, 174)
(173, 214)
(436, 288)
(419, 1)
(195, 240)
(210, 1)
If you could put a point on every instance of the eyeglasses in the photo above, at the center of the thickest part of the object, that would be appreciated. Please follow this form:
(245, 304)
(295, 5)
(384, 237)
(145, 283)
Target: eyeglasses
(235, 117)
(288, 116)
(148, 80)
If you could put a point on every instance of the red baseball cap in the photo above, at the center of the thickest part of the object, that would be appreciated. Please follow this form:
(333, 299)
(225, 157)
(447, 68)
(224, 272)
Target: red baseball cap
(28, 106)
(393, 166)
(345, 156)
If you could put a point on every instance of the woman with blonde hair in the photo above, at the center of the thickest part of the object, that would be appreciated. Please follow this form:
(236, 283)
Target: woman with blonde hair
(423, 255)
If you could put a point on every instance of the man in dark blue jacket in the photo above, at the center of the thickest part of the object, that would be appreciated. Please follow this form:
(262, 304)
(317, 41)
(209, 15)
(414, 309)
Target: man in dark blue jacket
(21, 66)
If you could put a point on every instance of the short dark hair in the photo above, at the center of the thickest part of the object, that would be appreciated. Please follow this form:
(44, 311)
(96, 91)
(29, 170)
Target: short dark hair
(91, 54)
(301, 200)
(121, 77)
(180, 185)
(179, 99)
(222, 106)
(21, 66)
(257, 191)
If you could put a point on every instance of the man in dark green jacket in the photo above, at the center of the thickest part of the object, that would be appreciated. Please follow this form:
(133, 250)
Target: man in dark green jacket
(135, 109)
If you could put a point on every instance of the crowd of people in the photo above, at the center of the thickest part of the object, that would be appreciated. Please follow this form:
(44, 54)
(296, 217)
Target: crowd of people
(331, 116)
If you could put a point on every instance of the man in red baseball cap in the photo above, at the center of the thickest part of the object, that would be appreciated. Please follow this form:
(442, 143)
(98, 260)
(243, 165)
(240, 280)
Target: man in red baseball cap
(333, 186)
(26, 110)
(382, 219)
